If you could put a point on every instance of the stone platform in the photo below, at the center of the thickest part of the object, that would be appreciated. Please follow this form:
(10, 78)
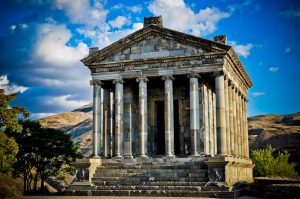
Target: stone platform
(151, 177)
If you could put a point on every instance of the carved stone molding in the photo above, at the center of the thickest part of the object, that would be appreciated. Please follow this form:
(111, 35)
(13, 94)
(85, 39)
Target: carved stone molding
(218, 73)
(193, 75)
(168, 77)
(118, 81)
(96, 82)
(144, 79)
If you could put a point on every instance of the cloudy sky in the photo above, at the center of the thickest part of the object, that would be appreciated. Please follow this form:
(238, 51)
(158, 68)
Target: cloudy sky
(42, 41)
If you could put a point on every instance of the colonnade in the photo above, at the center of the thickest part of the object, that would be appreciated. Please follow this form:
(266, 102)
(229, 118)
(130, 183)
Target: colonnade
(221, 110)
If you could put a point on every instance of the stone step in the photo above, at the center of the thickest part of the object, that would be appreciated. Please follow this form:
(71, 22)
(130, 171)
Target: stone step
(134, 170)
(152, 174)
(150, 183)
(155, 193)
(139, 179)
(149, 167)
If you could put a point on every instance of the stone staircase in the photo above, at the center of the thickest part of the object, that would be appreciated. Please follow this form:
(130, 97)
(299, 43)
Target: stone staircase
(152, 177)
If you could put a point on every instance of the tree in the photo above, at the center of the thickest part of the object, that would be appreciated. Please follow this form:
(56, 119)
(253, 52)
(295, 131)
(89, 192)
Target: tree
(8, 151)
(269, 164)
(8, 120)
(9, 116)
(42, 152)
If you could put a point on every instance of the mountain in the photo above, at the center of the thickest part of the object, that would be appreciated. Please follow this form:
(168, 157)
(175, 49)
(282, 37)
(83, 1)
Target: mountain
(280, 131)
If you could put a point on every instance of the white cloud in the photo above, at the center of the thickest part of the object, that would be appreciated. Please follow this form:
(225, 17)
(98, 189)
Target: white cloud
(13, 27)
(10, 88)
(118, 22)
(82, 11)
(242, 50)
(135, 9)
(273, 69)
(177, 15)
(257, 94)
(64, 101)
(51, 46)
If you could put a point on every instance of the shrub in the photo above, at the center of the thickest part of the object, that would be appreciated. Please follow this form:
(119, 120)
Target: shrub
(269, 164)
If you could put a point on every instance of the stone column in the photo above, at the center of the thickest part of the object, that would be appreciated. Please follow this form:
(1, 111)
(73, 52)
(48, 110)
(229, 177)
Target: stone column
(220, 108)
(118, 117)
(245, 134)
(235, 128)
(205, 120)
(238, 119)
(106, 123)
(112, 125)
(227, 119)
(128, 121)
(143, 116)
(96, 117)
(169, 116)
(211, 122)
(194, 113)
(242, 126)
(246, 130)
(231, 119)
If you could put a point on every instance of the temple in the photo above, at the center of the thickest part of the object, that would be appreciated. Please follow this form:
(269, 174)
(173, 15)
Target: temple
(167, 107)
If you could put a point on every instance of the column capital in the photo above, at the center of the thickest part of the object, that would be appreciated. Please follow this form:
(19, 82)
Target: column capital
(118, 81)
(168, 77)
(142, 79)
(193, 75)
(96, 82)
(218, 73)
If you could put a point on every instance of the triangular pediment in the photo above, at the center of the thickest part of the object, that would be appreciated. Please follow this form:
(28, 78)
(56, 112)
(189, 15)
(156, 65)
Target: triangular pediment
(154, 42)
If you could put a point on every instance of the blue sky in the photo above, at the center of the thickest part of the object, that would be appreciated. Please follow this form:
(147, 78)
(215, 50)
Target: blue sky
(42, 42)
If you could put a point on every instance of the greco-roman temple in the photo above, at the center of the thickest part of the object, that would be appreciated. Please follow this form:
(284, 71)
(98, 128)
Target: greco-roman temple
(169, 117)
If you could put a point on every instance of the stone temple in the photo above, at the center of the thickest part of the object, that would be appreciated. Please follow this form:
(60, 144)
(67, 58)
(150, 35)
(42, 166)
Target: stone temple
(169, 117)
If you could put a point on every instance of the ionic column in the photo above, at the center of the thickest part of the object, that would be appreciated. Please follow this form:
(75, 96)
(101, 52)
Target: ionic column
(205, 120)
(118, 117)
(143, 116)
(128, 121)
(246, 129)
(238, 119)
(194, 113)
(235, 148)
(220, 113)
(211, 123)
(231, 118)
(112, 125)
(169, 116)
(228, 150)
(96, 117)
(106, 123)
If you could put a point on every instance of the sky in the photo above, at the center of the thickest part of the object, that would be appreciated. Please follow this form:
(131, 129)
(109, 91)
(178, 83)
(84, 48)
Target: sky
(42, 42)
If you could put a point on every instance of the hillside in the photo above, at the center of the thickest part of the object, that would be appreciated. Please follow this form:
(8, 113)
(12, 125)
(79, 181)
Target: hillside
(281, 131)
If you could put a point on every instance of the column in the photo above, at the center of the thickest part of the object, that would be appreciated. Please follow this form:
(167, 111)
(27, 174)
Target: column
(235, 120)
(118, 117)
(112, 125)
(96, 117)
(231, 118)
(211, 122)
(106, 122)
(205, 120)
(194, 113)
(246, 129)
(242, 127)
(220, 114)
(238, 117)
(228, 150)
(143, 116)
(245, 134)
(169, 116)
(128, 121)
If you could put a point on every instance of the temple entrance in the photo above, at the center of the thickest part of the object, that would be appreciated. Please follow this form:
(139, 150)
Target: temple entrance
(160, 125)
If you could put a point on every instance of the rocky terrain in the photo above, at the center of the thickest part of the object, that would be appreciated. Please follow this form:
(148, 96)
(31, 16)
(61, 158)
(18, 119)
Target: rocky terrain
(280, 131)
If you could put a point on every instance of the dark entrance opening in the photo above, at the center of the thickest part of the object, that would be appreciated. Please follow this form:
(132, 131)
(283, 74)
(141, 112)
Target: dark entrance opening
(160, 124)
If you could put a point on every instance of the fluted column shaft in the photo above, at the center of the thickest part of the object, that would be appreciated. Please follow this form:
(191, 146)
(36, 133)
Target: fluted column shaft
(118, 117)
(128, 121)
(96, 117)
(231, 120)
(228, 151)
(220, 114)
(106, 122)
(234, 102)
(246, 130)
(194, 113)
(143, 116)
(169, 116)
(238, 123)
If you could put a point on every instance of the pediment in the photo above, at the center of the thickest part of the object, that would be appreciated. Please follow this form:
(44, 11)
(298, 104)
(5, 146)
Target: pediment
(154, 42)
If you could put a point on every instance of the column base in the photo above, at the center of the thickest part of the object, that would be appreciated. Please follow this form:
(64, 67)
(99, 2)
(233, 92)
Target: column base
(196, 155)
(170, 156)
(128, 156)
(143, 156)
(118, 157)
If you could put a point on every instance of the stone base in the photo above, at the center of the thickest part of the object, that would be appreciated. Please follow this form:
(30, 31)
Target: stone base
(229, 171)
